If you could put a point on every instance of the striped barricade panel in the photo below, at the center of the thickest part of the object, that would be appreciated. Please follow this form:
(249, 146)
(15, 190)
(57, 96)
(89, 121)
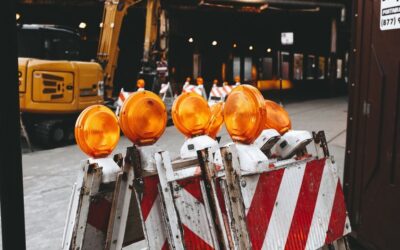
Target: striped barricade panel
(146, 187)
(221, 91)
(199, 89)
(99, 206)
(190, 205)
(219, 94)
(164, 88)
(299, 205)
(151, 211)
(123, 95)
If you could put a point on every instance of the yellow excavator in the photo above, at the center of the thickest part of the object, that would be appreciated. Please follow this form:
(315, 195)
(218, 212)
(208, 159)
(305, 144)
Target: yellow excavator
(54, 87)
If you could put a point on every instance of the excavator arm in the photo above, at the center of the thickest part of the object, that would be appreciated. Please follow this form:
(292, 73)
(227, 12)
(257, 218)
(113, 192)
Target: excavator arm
(107, 53)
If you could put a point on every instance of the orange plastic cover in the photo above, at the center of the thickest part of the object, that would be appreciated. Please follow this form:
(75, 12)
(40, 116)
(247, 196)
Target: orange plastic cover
(244, 114)
(277, 117)
(191, 114)
(97, 131)
(143, 118)
(216, 121)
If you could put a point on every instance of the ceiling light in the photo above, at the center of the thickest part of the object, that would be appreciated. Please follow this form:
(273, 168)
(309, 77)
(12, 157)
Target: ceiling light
(82, 25)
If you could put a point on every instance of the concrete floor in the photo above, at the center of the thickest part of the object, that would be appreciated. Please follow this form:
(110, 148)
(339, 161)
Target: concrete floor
(50, 174)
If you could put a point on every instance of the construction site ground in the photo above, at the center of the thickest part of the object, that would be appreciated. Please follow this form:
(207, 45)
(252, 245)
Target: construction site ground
(50, 174)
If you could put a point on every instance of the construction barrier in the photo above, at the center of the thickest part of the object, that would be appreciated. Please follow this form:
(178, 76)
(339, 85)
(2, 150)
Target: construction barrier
(123, 95)
(263, 191)
(291, 204)
(199, 89)
(99, 206)
(219, 94)
(167, 95)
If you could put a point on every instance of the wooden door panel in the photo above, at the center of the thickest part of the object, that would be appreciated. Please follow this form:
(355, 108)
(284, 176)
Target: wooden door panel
(374, 179)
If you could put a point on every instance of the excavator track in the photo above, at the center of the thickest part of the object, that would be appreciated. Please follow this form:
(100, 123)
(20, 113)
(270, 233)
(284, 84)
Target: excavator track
(50, 133)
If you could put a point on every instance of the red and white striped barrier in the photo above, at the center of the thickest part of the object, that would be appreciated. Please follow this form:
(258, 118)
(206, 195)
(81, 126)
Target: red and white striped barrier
(123, 95)
(99, 206)
(298, 207)
(151, 213)
(199, 89)
(221, 91)
(164, 88)
(219, 94)
(292, 205)
(191, 220)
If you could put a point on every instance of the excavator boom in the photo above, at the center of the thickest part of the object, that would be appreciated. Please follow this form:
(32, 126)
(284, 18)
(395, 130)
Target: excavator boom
(107, 53)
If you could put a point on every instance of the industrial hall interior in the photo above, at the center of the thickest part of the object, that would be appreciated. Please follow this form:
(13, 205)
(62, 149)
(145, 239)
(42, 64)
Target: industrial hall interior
(200, 125)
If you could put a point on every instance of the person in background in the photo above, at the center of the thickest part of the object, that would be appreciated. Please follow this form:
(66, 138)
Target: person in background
(237, 80)
(225, 83)
(140, 84)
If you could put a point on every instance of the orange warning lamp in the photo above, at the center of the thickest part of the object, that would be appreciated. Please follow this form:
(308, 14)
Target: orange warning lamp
(277, 118)
(244, 114)
(191, 114)
(199, 81)
(216, 121)
(143, 118)
(97, 131)
(140, 83)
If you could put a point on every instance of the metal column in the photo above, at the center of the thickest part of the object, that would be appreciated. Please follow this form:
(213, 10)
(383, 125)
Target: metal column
(11, 188)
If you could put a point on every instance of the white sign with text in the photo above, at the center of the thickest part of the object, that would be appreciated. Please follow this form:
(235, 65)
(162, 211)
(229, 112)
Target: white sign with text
(287, 38)
(390, 14)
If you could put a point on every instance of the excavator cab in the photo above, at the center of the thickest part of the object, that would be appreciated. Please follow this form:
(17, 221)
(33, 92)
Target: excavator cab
(48, 42)
(54, 85)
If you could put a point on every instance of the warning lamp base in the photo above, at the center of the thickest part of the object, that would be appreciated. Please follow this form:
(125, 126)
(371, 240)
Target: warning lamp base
(192, 145)
(148, 161)
(267, 139)
(110, 169)
(251, 158)
(292, 142)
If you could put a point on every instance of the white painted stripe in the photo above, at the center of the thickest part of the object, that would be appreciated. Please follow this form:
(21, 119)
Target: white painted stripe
(347, 229)
(164, 88)
(249, 190)
(156, 233)
(193, 215)
(222, 91)
(323, 208)
(282, 215)
(214, 92)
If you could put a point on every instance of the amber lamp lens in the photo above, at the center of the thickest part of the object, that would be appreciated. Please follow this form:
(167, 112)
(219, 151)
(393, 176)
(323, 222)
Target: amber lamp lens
(191, 114)
(97, 131)
(277, 117)
(216, 121)
(143, 118)
(244, 114)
